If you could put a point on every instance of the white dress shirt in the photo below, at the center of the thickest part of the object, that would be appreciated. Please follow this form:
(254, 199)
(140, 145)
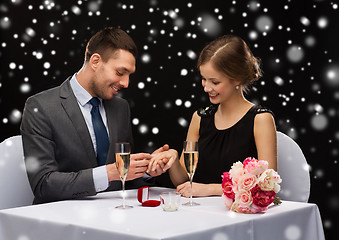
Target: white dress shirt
(100, 177)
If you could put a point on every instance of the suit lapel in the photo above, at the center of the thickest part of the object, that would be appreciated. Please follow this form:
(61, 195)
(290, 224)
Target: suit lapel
(111, 124)
(71, 107)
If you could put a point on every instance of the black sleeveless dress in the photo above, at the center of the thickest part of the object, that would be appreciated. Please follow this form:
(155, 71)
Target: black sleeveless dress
(219, 149)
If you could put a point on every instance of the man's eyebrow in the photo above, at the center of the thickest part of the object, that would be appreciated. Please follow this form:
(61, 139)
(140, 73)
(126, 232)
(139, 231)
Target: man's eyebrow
(123, 69)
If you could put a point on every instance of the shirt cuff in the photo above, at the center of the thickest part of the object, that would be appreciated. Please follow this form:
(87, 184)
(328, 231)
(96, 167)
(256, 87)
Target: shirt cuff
(148, 178)
(100, 178)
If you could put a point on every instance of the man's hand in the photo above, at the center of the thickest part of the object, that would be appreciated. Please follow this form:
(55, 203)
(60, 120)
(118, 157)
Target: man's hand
(137, 168)
(138, 165)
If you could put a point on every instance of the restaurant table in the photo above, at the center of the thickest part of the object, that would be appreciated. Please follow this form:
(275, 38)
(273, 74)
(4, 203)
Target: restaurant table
(96, 218)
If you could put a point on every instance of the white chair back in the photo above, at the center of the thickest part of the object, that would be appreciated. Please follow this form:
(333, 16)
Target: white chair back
(293, 170)
(14, 186)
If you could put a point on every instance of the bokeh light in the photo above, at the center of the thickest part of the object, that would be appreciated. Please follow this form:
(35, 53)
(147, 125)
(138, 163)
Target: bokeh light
(293, 232)
(295, 53)
(264, 23)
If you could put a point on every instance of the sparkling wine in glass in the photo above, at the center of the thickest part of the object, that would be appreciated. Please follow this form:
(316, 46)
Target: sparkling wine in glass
(191, 155)
(122, 161)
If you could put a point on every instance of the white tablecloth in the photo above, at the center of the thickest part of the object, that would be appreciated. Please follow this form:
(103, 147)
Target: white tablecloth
(97, 218)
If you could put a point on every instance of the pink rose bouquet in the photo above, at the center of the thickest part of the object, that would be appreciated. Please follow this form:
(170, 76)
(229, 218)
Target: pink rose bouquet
(250, 187)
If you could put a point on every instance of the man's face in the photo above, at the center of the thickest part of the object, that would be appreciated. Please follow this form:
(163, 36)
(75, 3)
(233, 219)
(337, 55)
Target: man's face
(113, 75)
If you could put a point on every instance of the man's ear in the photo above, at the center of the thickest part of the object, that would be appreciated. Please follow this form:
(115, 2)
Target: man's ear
(95, 61)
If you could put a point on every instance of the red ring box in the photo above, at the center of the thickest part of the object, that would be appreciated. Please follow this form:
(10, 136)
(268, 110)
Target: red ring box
(143, 198)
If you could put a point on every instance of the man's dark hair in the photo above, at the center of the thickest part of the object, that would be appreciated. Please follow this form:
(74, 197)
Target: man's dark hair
(107, 41)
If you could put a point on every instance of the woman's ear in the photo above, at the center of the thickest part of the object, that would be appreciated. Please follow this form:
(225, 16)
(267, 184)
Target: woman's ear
(236, 82)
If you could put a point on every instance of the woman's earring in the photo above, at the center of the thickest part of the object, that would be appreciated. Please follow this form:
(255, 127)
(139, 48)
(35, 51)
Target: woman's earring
(237, 87)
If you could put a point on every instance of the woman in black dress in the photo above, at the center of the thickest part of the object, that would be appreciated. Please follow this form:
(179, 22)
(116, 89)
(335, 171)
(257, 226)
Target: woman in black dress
(229, 130)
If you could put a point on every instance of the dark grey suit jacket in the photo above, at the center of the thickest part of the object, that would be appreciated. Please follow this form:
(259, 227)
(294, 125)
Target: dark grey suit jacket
(58, 149)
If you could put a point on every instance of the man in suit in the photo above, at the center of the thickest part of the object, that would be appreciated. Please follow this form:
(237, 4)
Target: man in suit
(61, 145)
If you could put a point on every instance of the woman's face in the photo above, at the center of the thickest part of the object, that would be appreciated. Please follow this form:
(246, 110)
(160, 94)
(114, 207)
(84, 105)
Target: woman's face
(219, 87)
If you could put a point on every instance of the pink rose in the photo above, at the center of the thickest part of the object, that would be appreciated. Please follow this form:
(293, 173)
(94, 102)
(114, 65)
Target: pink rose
(256, 209)
(226, 177)
(248, 160)
(255, 167)
(228, 191)
(247, 181)
(228, 201)
(236, 172)
(240, 209)
(227, 185)
(262, 198)
(243, 198)
(235, 180)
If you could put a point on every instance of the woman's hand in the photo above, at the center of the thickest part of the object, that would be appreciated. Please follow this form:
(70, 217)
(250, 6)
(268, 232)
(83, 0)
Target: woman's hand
(199, 189)
(161, 162)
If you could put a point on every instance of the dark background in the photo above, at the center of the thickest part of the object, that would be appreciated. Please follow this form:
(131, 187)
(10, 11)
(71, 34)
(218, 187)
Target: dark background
(43, 42)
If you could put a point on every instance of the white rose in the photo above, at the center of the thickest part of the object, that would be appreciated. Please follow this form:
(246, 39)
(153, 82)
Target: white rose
(269, 181)
(236, 170)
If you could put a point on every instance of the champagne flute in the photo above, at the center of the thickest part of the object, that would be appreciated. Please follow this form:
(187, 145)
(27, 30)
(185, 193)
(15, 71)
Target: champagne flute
(122, 161)
(191, 161)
